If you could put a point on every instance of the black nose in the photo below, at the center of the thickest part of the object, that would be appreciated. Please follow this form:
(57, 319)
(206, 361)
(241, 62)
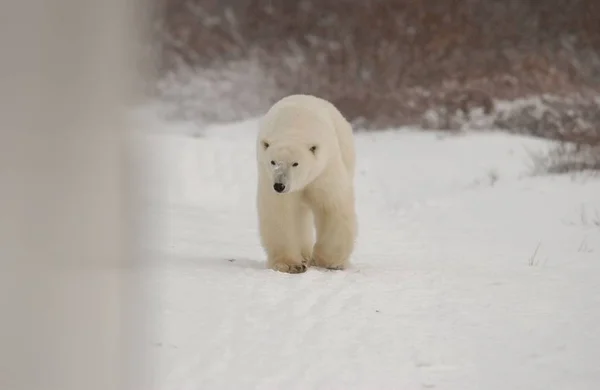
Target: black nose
(279, 187)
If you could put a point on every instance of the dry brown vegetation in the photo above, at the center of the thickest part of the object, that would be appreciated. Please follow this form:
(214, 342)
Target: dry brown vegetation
(438, 64)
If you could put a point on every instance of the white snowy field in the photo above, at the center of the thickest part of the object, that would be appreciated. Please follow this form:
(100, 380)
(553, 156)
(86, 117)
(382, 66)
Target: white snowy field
(469, 273)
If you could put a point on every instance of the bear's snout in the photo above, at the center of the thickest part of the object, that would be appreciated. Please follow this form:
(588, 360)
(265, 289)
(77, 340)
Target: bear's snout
(279, 187)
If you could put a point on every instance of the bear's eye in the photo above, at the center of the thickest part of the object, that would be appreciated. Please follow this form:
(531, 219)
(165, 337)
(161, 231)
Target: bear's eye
(272, 162)
(313, 149)
(295, 164)
(265, 145)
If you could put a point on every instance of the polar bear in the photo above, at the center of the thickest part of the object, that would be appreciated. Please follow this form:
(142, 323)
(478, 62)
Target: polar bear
(306, 162)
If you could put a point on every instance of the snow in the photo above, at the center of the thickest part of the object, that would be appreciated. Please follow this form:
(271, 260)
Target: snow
(469, 272)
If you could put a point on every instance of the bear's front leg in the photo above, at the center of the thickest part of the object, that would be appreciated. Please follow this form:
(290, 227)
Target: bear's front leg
(305, 223)
(282, 250)
(336, 232)
(279, 234)
(282, 255)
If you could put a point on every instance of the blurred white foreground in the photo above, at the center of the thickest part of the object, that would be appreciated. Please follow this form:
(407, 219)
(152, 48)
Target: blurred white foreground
(468, 274)
(72, 311)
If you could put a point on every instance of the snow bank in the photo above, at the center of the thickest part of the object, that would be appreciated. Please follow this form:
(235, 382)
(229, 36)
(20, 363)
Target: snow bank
(469, 272)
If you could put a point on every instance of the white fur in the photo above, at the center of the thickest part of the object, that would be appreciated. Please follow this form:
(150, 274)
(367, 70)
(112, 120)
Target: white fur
(319, 191)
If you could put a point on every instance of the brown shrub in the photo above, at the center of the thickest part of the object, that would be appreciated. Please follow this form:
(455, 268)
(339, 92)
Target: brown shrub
(439, 64)
(573, 119)
(567, 158)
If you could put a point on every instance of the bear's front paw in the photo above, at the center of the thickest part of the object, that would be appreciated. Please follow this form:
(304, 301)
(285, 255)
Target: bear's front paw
(289, 268)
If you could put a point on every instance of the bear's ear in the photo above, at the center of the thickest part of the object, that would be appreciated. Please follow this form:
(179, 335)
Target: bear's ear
(313, 149)
(265, 144)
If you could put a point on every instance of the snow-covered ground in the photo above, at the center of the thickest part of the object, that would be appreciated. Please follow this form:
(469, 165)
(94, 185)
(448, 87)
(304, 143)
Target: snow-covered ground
(469, 273)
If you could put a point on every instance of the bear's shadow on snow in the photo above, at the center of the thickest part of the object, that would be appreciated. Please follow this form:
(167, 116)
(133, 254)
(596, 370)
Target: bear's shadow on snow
(218, 263)
(237, 262)
(253, 264)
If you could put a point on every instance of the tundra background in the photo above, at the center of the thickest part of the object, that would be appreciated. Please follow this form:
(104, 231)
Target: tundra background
(522, 66)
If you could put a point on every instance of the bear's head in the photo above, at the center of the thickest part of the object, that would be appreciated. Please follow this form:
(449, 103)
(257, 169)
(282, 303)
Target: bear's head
(291, 166)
